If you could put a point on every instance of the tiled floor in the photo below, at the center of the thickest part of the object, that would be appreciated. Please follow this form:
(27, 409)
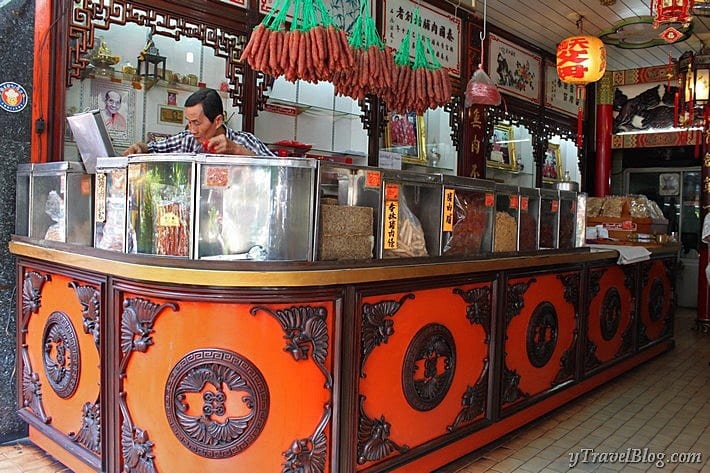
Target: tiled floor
(662, 407)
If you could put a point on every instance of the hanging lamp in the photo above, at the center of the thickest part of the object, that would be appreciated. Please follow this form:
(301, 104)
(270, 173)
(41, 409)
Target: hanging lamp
(581, 60)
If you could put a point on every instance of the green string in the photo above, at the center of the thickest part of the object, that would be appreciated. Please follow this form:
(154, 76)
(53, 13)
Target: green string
(364, 32)
(402, 56)
(434, 63)
(307, 14)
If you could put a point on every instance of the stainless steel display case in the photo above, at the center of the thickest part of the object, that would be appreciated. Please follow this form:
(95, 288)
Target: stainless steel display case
(255, 208)
(468, 216)
(23, 199)
(568, 220)
(549, 218)
(161, 191)
(61, 203)
(410, 222)
(348, 209)
(110, 205)
(505, 233)
(529, 221)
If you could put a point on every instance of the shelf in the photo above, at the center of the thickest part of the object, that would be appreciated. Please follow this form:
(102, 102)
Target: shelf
(294, 108)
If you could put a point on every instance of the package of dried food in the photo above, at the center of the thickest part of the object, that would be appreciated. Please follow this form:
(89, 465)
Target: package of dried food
(638, 207)
(594, 206)
(613, 207)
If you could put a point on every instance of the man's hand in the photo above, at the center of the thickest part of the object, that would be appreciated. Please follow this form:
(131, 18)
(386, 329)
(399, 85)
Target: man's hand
(136, 148)
(221, 145)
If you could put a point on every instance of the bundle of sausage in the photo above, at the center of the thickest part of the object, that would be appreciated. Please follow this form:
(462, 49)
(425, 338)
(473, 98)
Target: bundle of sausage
(312, 49)
(419, 84)
(374, 64)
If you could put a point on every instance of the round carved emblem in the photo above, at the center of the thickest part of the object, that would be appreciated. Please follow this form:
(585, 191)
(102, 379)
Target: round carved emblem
(61, 358)
(542, 334)
(655, 300)
(429, 366)
(611, 313)
(216, 402)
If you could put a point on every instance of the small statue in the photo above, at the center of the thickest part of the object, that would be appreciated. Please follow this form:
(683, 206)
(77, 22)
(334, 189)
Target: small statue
(149, 48)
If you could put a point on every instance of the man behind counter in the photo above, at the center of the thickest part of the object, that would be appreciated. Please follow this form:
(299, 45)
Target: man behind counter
(205, 133)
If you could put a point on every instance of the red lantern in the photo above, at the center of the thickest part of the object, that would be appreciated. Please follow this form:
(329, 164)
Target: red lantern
(671, 11)
(581, 60)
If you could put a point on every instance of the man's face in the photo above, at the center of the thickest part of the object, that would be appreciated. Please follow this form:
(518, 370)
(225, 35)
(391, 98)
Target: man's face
(113, 102)
(199, 125)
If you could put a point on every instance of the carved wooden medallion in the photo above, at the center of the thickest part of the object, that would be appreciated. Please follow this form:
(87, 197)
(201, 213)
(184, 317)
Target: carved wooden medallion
(611, 314)
(429, 366)
(202, 388)
(542, 334)
(61, 357)
(655, 300)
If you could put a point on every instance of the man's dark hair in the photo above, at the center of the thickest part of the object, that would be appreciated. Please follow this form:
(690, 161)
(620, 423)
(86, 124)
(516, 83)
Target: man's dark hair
(210, 100)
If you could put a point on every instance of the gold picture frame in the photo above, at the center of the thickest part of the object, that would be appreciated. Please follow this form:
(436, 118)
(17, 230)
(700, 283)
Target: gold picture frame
(502, 154)
(552, 164)
(405, 135)
(171, 115)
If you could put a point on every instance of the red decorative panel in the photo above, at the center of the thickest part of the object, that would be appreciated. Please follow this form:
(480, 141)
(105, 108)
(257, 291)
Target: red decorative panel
(61, 365)
(656, 301)
(423, 367)
(610, 314)
(226, 385)
(540, 321)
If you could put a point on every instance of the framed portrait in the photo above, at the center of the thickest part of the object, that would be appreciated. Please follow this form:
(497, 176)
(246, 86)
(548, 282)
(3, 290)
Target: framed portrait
(552, 164)
(405, 135)
(171, 115)
(117, 103)
(502, 154)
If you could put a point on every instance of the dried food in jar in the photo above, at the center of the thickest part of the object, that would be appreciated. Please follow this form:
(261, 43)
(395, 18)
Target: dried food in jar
(471, 218)
(528, 232)
(567, 229)
(410, 235)
(505, 234)
(171, 230)
(638, 207)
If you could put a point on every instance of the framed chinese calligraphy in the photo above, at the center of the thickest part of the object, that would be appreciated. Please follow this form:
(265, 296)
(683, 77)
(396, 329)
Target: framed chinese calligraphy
(405, 135)
(441, 28)
(559, 95)
(515, 70)
(552, 165)
(344, 12)
(502, 154)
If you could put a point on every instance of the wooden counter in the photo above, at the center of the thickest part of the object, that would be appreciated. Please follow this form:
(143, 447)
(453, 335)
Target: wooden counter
(143, 364)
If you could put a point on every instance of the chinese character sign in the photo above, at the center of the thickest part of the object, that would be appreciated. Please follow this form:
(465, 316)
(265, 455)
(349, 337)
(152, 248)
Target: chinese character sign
(441, 28)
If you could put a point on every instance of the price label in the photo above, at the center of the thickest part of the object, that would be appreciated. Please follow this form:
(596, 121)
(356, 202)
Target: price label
(391, 223)
(392, 192)
(447, 225)
(555, 206)
(100, 203)
(513, 201)
(490, 200)
(524, 204)
(373, 179)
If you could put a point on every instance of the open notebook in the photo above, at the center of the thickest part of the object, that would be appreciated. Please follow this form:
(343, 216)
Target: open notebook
(91, 138)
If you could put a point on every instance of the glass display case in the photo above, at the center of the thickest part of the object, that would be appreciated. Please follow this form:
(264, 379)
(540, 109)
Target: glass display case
(349, 203)
(110, 185)
(468, 216)
(62, 201)
(255, 208)
(410, 222)
(567, 228)
(507, 214)
(529, 222)
(549, 218)
(160, 202)
(22, 199)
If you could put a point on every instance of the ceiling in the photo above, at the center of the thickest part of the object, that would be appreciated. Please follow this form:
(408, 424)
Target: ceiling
(545, 23)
